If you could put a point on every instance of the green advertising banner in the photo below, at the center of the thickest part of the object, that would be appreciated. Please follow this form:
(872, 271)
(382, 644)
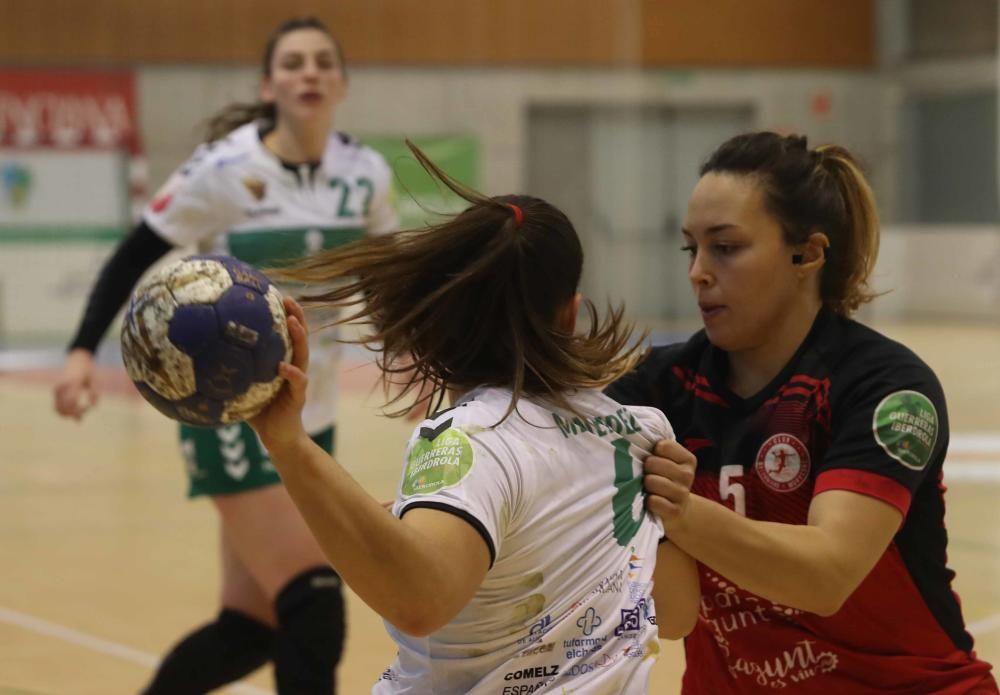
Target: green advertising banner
(418, 198)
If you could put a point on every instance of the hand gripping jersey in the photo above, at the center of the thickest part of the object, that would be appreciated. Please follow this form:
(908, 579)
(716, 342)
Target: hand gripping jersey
(236, 197)
(566, 604)
(853, 411)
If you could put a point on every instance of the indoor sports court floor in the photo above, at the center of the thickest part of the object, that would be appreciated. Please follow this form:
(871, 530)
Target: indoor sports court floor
(103, 563)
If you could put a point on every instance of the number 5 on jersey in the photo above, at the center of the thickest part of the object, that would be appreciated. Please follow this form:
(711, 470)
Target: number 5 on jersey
(728, 487)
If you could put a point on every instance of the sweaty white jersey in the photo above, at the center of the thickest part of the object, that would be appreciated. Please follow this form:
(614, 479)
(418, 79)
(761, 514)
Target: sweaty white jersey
(234, 196)
(566, 605)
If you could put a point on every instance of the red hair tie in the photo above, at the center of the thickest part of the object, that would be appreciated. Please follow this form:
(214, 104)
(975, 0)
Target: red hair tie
(518, 214)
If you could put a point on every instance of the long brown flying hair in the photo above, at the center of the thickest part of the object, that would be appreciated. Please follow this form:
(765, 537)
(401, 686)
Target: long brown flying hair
(474, 300)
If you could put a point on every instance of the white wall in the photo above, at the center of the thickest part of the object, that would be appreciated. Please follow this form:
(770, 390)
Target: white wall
(492, 104)
(932, 271)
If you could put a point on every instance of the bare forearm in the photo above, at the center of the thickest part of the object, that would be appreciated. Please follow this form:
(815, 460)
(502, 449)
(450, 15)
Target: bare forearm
(676, 592)
(370, 549)
(790, 564)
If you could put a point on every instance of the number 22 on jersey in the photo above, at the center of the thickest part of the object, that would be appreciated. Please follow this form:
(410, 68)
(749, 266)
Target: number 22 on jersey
(347, 189)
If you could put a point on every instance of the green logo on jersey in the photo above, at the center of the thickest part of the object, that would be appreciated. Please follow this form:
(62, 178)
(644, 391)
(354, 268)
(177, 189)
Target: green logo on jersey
(438, 463)
(906, 427)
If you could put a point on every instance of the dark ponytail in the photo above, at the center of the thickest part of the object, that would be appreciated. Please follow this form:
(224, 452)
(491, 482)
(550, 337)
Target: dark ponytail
(234, 115)
(813, 190)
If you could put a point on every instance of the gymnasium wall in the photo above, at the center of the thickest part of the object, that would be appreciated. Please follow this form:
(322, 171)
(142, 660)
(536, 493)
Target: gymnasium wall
(938, 272)
(592, 33)
(493, 104)
(840, 72)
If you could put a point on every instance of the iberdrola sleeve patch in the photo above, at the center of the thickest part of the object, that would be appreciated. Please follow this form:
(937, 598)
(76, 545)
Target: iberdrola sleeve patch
(439, 459)
(906, 427)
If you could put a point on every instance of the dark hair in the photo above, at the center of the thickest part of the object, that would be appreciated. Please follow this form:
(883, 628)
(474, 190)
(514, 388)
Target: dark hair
(474, 301)
(234, 115)
(813, 190)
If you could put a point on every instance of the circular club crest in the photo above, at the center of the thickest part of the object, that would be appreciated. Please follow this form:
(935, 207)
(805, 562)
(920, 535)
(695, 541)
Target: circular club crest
(783, 463)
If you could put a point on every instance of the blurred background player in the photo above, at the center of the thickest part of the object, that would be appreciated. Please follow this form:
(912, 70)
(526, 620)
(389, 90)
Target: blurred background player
(818, 521)
(272, 182)
(519, 557)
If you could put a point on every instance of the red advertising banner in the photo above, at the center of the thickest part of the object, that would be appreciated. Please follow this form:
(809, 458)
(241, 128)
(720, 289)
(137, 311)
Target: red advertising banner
(68, 110)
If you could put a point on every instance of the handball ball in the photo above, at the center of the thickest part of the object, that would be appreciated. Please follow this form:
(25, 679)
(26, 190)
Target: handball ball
(202, 339)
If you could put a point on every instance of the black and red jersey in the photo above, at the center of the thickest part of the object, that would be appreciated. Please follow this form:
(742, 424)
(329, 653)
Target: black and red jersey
(852, 410)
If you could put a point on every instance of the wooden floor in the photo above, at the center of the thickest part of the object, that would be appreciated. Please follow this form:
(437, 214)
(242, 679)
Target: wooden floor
(103, 563)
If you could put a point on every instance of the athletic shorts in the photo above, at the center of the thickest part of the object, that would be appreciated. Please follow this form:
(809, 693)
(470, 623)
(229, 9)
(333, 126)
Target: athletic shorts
(230, 459)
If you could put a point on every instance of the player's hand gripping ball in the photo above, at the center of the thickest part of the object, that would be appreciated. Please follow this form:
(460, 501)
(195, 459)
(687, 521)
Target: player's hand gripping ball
(202, 340)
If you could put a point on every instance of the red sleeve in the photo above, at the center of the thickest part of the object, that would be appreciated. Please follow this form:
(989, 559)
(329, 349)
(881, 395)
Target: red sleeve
(865, 483)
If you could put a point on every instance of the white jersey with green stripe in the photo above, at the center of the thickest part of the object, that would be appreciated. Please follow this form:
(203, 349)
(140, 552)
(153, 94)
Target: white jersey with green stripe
(566, 605)
(234, 196)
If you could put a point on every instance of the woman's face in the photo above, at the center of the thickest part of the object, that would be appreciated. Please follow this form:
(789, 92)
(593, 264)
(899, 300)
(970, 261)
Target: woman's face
(741, 267)
(307, 80)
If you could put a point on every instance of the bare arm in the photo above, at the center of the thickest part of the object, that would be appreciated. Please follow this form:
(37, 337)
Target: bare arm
(813, 567)
(74, 393)
(418, 572)
(409, 571)
(676, 592)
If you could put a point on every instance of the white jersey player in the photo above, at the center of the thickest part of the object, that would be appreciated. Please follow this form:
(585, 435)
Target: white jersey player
(272, 183)
(236, 197)
(519, 557)
(567, 600)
